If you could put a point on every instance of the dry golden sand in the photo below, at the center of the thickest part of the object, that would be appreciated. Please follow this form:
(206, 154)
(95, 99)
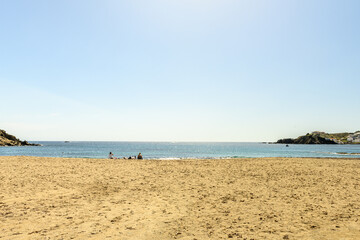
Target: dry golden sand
(268, 198)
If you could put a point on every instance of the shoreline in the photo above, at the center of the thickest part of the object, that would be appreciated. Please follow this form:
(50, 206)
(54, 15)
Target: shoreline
(252, 198)
(355, 157)
(170, 151)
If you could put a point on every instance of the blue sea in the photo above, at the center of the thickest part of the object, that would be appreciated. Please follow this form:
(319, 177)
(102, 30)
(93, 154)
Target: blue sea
(180, 150)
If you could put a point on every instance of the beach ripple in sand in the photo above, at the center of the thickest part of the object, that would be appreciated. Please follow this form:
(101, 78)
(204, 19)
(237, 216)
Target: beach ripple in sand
(273, 198)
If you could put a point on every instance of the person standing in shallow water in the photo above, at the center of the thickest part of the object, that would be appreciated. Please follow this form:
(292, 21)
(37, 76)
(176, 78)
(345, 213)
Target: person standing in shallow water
(139, 156)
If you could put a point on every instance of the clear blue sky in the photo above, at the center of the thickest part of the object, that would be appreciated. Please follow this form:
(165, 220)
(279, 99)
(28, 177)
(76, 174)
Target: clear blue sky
(189, 70)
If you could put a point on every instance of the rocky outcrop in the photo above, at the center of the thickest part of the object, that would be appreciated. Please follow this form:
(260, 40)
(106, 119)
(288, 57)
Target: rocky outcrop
(10, 140)
(286, 141)
(307, 139)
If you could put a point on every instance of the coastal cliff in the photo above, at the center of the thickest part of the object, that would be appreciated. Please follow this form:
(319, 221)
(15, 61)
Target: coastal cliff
(10, 140)
(324, 138)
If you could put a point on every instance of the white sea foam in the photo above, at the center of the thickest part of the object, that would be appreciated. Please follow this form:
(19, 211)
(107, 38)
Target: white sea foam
(337, 153)
(343, 153)
(169, 158)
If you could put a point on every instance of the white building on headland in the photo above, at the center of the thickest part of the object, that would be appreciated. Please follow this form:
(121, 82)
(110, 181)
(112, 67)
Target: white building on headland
(318, 132)
(355, 138)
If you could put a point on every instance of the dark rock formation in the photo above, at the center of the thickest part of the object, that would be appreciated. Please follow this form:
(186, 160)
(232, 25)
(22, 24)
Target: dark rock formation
(10, 140)
(286, 141)
(307, 139)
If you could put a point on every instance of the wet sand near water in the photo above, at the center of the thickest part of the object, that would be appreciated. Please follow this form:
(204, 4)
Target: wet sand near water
(261, 198)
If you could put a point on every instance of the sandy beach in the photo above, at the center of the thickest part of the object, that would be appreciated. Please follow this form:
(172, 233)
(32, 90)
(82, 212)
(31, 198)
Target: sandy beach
(267, 198)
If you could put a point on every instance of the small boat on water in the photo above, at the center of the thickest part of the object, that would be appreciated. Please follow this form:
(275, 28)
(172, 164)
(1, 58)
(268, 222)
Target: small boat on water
(67, 141)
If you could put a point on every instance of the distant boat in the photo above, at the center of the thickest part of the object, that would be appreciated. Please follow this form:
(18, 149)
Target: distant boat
(67, 141)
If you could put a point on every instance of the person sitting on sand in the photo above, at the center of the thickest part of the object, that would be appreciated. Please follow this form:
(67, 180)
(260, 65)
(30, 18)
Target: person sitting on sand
(111, 155)
(139, 156)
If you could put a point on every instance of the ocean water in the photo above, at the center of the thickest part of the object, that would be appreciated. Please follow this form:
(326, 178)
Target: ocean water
(180, 150)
